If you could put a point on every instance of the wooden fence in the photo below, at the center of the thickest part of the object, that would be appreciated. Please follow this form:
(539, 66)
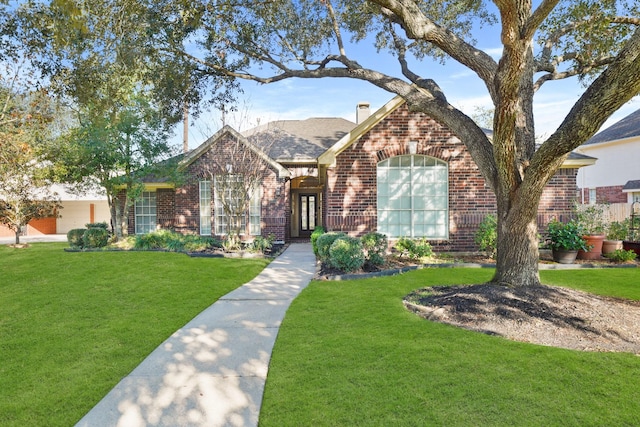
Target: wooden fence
(617, 211)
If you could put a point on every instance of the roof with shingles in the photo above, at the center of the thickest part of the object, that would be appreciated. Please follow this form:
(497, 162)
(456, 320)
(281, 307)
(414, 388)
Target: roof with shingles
(299, 140)
(628, 127)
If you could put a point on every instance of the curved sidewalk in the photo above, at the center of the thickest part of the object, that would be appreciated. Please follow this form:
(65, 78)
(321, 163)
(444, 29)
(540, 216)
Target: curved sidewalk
(212, 371)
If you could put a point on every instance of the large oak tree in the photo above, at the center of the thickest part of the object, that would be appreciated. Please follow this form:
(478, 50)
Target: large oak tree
(272, 40)
(543, 41)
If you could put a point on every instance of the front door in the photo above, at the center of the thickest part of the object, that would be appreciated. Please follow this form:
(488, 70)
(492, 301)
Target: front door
(307, 213)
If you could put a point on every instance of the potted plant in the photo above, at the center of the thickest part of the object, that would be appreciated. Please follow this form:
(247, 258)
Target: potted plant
(617, 231)
(565, 240)
(633, 239)
(591, 220)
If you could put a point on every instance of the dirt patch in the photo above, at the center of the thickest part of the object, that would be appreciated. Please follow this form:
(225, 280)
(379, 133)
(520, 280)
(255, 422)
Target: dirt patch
(543, 315)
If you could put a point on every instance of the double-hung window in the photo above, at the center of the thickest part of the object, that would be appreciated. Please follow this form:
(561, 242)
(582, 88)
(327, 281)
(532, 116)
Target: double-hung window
(145, 213)
(413, 197)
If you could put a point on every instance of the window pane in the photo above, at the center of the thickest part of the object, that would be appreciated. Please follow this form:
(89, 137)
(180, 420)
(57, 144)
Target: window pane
(145, 213)
(413, 197)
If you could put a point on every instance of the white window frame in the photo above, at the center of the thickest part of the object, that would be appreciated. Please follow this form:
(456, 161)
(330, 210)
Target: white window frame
(146, 212)
(413, 197)
(253, 213)
(204, 188)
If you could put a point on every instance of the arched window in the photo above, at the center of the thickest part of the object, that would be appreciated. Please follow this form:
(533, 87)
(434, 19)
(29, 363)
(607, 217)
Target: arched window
(413, 197)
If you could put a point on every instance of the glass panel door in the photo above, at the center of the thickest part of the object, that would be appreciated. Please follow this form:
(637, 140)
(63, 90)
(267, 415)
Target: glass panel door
(307, 213)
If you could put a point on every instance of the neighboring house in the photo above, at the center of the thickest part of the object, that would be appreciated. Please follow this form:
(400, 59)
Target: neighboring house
(76, 212)
(396, 172)
(615, 178)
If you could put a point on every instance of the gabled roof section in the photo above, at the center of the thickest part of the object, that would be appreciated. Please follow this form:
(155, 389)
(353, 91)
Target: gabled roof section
(329, 156)
(631, 186)
(298, 141)
(228, 131)
(577, 160)
(628, 127)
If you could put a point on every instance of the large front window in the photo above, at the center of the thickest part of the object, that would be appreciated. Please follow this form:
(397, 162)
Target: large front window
(231, 209)
(413, 197)
(145, 209)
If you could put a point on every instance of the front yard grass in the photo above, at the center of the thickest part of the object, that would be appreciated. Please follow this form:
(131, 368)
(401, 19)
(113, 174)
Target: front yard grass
(348, 353)
(73, 324)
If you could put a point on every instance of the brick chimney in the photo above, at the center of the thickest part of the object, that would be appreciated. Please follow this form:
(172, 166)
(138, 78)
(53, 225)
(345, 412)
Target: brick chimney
(362, 112)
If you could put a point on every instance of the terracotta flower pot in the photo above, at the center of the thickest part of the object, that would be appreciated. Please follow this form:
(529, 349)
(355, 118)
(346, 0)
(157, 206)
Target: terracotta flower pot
(594, 242)
(609, 246)
(564, 257)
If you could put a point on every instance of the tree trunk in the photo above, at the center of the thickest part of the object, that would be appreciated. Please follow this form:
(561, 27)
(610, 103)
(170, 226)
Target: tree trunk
(517, 249)
(18, 236)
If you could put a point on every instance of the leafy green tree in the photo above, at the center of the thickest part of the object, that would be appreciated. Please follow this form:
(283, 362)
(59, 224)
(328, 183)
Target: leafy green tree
(114, 150)
(25, 118)
(126, 96)
(594, 40)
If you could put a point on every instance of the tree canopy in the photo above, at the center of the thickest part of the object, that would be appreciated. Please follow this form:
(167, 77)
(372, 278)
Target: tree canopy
(273, 40)
(542, 41)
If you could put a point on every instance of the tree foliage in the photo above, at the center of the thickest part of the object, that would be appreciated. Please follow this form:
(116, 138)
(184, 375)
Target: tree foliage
(269, 41)
(25, 120)
(114, 150)
(597, 41)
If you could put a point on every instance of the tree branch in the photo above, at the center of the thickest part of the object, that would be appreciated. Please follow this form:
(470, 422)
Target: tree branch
(611, 90)
(546, 63)
(538, 16)
(417, 26)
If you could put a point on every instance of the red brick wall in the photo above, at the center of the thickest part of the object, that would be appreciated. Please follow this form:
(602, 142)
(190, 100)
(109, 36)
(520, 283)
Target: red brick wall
(611, 194)
(351, 195)
(274, 218)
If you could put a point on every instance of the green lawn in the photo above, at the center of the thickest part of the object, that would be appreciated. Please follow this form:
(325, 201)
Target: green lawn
(73, 324)
(349, 354)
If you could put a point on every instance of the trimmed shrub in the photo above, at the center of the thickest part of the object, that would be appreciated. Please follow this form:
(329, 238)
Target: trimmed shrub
(346, 253)
(375, 247)
(487, 235)
(325, 241)
(414, 248)
(620, 255)
(95, 238)
(74, 237)
(153, 240)
(317, 232)
(97, 225)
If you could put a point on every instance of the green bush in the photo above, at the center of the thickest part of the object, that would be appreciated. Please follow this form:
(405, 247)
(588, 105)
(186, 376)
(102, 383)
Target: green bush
(620, 255)
(414, 248)
(154, 240)
(74, 237)
(618, 230)
(95, 238)
(375, 247)
(487, 235)
(565, 236)
(97, 225)
(324, 242)
(262, 244)
(346, 253)
(317, 232)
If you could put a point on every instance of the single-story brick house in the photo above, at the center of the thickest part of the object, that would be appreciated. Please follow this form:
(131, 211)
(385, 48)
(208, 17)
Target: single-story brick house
(396, 172)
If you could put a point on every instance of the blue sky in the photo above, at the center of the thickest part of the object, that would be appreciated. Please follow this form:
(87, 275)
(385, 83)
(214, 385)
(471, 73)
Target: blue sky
(331, 97)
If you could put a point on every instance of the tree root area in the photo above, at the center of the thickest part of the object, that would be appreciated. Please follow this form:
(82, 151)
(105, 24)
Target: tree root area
(544, 315)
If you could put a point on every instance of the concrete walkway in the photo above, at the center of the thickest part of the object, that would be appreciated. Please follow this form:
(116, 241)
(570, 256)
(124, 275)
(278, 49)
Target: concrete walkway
(212, 371)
